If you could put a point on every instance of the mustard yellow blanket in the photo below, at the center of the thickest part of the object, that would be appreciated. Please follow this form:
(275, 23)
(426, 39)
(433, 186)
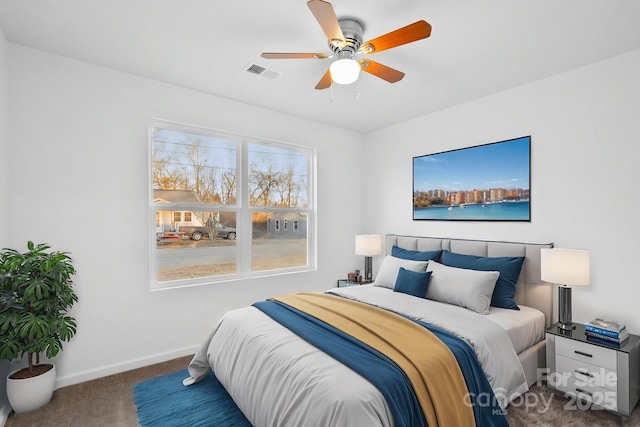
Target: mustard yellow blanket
(428, 363)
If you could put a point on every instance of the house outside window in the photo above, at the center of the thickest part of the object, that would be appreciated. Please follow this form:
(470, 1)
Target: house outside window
(214, 197)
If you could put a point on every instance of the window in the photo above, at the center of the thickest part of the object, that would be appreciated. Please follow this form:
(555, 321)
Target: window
(218, 201)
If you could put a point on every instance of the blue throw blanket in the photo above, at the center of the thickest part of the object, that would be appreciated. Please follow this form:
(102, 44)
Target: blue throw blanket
(383, 373)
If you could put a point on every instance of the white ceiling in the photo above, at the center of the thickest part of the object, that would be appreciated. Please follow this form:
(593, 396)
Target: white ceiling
(476, 48)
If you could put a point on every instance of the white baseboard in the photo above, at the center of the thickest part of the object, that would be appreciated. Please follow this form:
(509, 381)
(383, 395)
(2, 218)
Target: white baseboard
(122, 367)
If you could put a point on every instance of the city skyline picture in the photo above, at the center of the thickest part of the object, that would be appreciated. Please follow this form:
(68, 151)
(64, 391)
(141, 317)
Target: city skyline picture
(489, 182)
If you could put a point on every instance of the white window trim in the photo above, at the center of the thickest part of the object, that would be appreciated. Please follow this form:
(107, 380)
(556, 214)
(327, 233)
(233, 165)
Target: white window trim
(244, 212)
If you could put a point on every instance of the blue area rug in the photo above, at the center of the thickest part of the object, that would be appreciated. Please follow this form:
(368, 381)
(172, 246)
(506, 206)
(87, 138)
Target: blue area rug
(165, 402)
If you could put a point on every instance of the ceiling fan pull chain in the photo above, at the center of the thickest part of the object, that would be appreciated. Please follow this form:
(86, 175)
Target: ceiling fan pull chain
(331, 93)
(358, 94)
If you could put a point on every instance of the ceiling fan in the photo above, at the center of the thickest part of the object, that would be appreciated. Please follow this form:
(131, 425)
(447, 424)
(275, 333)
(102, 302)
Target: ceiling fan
(345, 40)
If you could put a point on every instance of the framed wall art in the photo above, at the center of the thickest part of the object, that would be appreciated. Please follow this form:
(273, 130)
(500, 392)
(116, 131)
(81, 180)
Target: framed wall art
(489, 182)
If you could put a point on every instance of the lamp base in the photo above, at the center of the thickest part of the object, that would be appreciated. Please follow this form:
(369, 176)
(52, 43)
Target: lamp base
(368, 269)
(564, 308)
(567, 326)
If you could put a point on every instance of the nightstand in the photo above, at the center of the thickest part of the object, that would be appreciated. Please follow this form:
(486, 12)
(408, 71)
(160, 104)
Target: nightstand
(343, 283)
(604, 375)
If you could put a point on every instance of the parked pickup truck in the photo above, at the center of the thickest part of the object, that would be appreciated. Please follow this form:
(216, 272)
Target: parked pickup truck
(197, 233)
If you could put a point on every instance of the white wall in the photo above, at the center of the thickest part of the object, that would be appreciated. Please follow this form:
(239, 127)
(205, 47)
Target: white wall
(585, 146)
(5, 199)
(80, 154)
(79, 157)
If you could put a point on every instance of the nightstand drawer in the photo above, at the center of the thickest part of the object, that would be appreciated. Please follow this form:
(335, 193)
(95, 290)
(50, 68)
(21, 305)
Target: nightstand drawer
(597, 395)
(586, 373)
(588, 353)
(607, 377)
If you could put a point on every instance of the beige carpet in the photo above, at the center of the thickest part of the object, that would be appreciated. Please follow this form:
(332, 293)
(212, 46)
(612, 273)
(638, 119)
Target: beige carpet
(545, 407)
(109, 402)
(105, 402)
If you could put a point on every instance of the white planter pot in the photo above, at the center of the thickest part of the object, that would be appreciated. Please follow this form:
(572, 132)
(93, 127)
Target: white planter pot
(31, 393)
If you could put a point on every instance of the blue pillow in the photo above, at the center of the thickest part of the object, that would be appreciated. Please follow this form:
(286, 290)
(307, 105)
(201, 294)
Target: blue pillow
(504, 294)
(415, 255)
(412, 282)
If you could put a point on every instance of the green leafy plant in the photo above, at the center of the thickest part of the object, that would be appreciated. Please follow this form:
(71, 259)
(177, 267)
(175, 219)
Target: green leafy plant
(35, 294)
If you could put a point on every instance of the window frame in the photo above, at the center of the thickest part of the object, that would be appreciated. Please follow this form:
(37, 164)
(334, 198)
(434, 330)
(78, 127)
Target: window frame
(244, 211)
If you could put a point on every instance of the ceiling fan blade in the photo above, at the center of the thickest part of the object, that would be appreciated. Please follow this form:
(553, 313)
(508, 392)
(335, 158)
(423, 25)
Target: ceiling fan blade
(385, 73)
(286, 55)
(417, 31)
(326, 17)
(325, 81)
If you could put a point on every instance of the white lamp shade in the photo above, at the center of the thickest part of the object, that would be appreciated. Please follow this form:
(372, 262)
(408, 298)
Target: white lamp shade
(566, 267)
(368, 244)
(345, 71)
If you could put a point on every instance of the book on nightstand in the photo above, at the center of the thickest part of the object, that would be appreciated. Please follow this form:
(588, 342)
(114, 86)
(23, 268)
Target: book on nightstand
(607, 342)
(606, 337)
(606, 330)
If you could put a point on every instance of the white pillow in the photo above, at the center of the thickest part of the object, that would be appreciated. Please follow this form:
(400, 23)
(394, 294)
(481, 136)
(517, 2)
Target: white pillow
(471, 289)
(391, 266)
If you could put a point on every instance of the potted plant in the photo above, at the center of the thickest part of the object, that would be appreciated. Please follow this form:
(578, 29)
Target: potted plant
(36, 293)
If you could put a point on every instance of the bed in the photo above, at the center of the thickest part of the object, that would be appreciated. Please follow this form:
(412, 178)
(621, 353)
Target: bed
(278, 378)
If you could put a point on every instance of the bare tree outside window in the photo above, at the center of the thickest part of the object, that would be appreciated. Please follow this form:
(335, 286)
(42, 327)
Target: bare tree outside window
(277, 177)
(204, 165)
(195, 179)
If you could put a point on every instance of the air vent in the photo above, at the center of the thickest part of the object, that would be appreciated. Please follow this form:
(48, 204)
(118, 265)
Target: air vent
(256, 69)
(259, 70)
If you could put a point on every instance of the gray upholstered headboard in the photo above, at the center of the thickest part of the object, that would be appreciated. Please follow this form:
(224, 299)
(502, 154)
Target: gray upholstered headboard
(530, 290)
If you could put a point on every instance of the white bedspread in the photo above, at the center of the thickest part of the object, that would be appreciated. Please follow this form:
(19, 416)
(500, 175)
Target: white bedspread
(491, 343)
(278, 379)
(525, 326)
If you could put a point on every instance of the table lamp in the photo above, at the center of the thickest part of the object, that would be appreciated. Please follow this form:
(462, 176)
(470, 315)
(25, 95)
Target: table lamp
(368, 245)
(565, 268)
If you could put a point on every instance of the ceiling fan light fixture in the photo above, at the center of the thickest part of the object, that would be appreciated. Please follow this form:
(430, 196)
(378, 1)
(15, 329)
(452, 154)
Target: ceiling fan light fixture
(345, 71)
(345, 37)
